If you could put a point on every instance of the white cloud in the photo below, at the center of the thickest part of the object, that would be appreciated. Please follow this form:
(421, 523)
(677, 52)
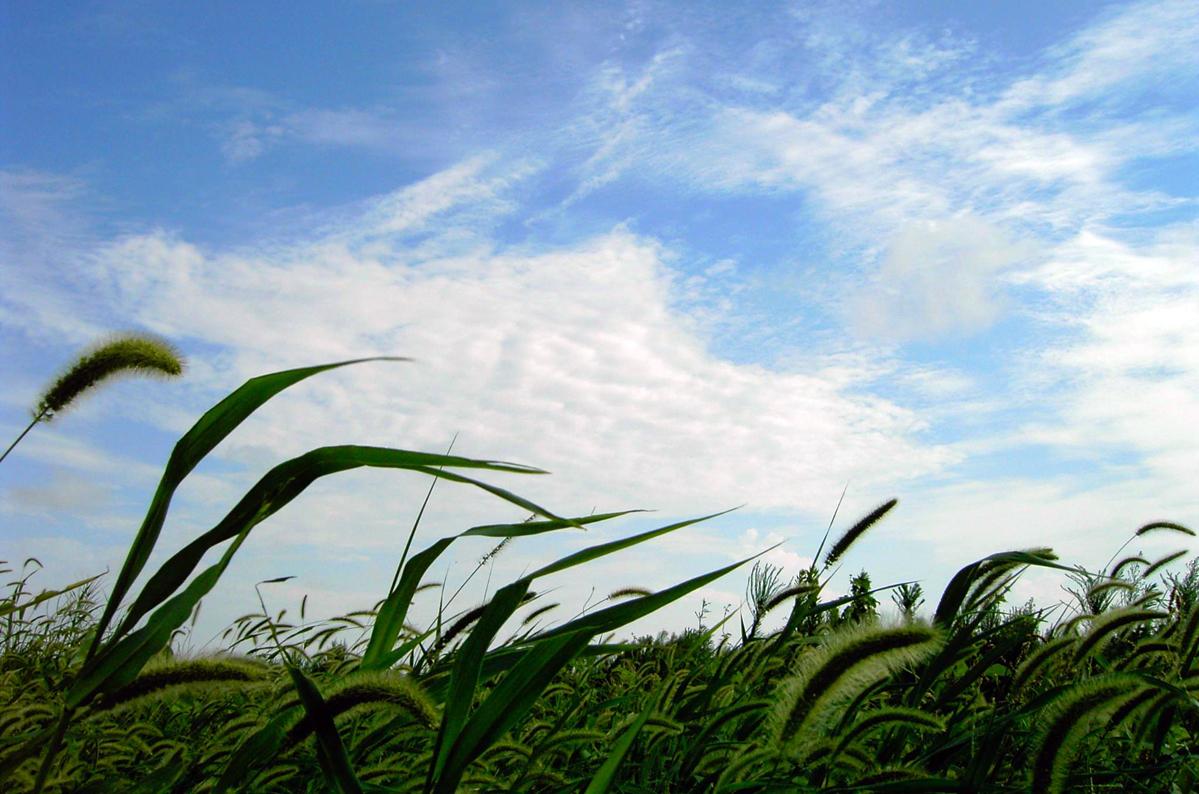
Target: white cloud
(937, 278)
(64, 492)
(1131, 364)
(41, 215)
(1154, 41)
(569, 359)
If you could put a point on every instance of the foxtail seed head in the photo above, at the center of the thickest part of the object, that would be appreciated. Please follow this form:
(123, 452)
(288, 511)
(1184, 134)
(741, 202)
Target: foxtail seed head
(123, 354)
(857, 530)
(850, 661)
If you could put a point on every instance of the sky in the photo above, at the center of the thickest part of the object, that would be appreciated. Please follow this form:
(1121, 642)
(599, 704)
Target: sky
(684, 256)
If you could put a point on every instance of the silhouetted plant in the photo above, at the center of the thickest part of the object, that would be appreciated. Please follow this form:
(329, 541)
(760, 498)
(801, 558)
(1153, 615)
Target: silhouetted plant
(908, 598)
(863, 606)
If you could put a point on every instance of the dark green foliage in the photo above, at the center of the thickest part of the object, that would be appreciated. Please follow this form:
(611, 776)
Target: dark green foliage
(908, 597)
(1004, 709)
(863, 606)
(1067, 721)
(985, 699)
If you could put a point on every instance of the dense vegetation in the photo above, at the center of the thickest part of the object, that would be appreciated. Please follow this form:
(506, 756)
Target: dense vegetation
(976, 696)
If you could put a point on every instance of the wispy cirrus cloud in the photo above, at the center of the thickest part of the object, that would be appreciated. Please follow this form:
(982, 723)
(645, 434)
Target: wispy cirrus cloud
(1149, 43)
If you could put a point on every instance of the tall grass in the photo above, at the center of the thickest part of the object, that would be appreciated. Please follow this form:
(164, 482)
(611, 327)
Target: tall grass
(981, 697)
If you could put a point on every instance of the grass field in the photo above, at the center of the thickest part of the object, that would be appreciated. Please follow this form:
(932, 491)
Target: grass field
(968, 694)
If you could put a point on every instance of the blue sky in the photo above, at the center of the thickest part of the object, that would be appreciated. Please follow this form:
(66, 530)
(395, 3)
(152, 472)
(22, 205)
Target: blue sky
(683, 256)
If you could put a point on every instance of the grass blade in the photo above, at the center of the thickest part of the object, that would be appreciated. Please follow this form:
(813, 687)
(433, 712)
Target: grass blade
(594, 552)
(958, 587)
(618, 615)
(212, 428)
(508, 702)
(537, 527)
(120, 662)
(288, 480)
(330, 751)
(464, 679)
(601, 781)
(379, 653)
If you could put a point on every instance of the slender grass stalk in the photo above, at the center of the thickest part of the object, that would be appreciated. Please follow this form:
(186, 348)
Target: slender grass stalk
(36, 418)
(831, 521)
(395, 580)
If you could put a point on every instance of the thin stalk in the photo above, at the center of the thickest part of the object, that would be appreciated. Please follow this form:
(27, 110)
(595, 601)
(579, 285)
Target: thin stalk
(831, 521)
(489, 556)
(395, 580)
(1117, 554)
(24, 432)
(271, 625)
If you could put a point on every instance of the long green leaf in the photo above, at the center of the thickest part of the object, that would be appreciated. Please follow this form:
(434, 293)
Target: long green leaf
(508, 702)
(330, 751)
(468, 662)
(594, 552)
(120, 662)
(959, 585)
(212, 428)
(390, 620)
(288, 480)
(618, 615)
(380, 652)
(537, 527)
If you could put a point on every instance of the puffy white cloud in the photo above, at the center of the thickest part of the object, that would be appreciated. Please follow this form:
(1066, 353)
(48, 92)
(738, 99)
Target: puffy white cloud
(937, 278)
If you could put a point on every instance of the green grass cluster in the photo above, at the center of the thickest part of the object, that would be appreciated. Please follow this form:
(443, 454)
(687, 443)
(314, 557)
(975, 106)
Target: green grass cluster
(501, 697)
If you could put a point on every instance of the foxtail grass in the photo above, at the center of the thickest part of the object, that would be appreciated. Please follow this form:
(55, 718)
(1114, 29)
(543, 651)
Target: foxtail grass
(847, 662)
(124, 354)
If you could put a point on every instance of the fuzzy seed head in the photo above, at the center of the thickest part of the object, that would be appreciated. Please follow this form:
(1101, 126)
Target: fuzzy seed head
(847, 663)
(141, 354)
(857, 530)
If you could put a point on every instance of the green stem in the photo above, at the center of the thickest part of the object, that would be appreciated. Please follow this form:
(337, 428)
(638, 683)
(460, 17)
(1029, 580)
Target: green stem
(36, 419)
(395, 580)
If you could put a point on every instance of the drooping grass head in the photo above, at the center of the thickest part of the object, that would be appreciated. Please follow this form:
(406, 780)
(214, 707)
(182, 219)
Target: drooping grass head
(848, 662)
(131, 353)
